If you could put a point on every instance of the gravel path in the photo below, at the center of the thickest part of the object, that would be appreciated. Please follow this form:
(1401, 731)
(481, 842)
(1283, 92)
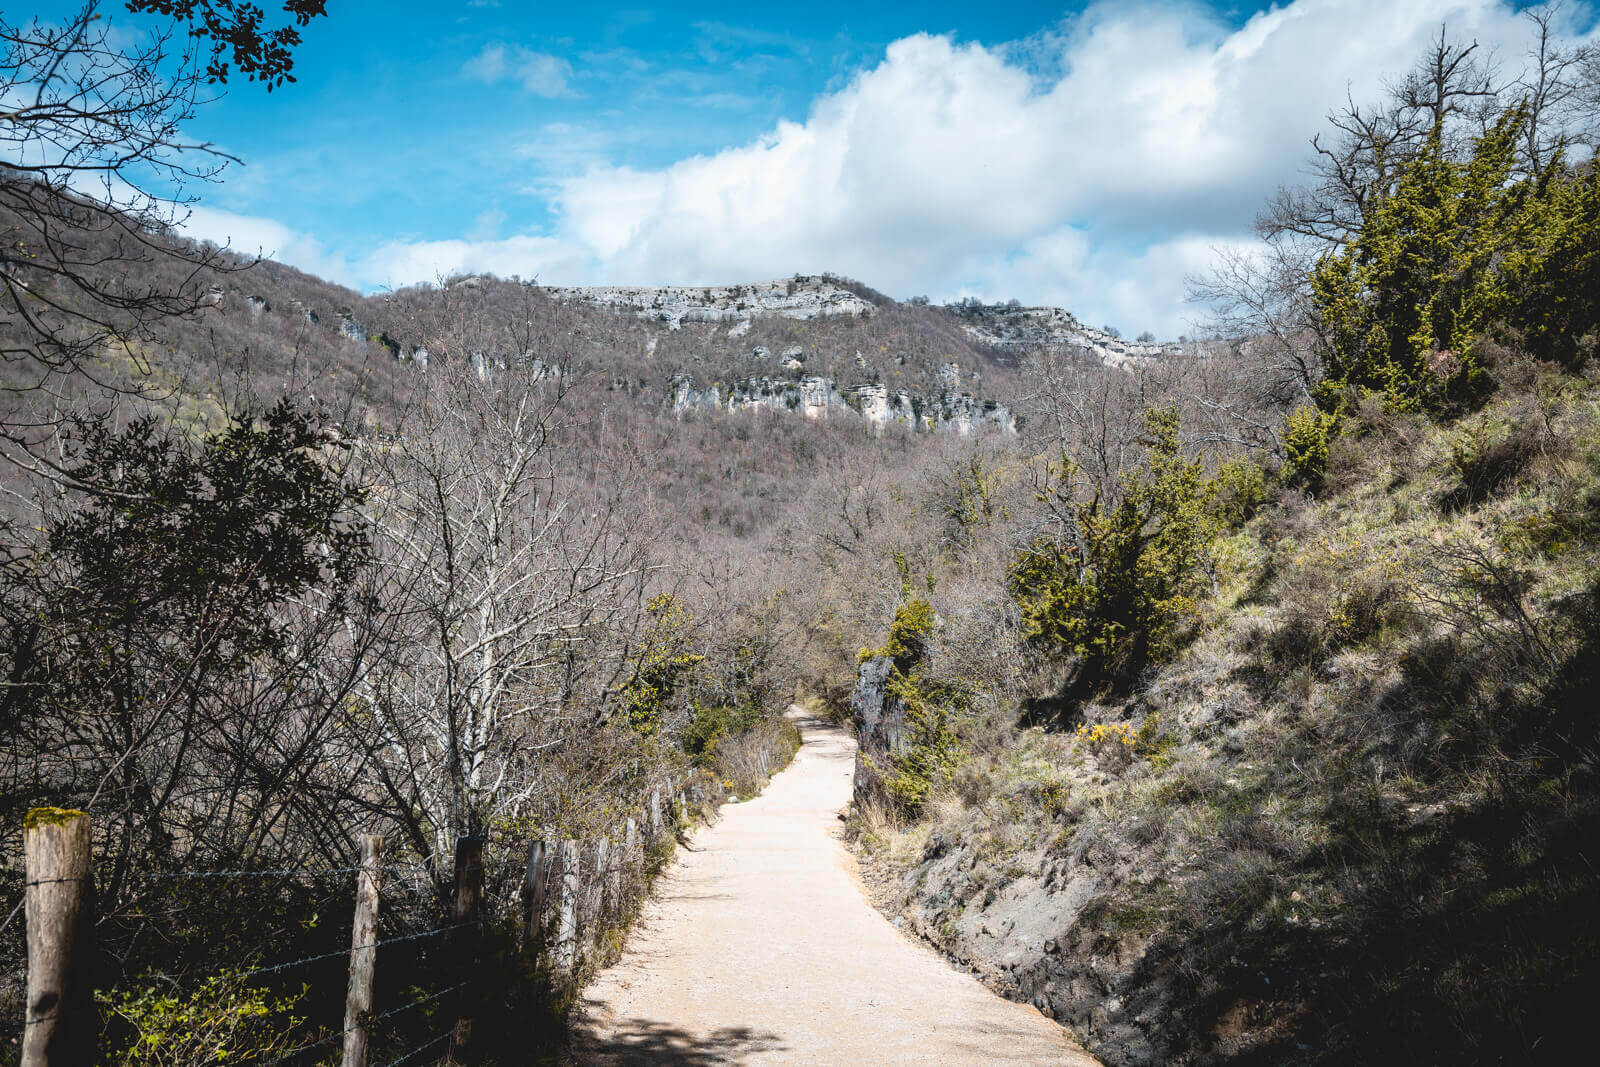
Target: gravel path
(759, 947)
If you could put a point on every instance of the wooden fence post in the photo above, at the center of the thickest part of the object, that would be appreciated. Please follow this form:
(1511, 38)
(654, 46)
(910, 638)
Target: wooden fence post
(655, 812)
(597, 892)
(613, 874)
(58, 1022)
(632, 857)
(363, 953)
(567, 924)
(533, 899)
(469, 914)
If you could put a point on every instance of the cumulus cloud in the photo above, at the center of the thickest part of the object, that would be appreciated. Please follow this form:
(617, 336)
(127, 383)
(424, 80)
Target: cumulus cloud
(537, 72)
(1093, 166)
(546, 259)
(249, 235)
(954, 168)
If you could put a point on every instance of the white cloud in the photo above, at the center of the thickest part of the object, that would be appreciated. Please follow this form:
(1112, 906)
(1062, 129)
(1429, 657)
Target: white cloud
(537, 72)
(957, 168)
(249, 235)
(401, 263)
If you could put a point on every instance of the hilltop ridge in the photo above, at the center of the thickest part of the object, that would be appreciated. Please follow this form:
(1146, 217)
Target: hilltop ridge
(810, 296)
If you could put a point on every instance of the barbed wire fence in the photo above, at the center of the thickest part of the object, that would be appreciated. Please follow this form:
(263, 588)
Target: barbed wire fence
(575, 896)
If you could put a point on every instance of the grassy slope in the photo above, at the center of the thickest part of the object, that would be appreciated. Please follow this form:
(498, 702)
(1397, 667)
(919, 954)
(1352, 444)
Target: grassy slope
(1360, 820)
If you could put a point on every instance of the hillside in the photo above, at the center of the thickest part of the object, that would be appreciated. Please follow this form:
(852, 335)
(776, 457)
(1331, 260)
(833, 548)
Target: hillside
(804, 346)
(1365, 736)
(1352, 817)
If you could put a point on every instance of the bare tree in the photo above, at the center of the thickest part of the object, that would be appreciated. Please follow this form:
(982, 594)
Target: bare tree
(96, 172)
(1077, 406)
(1558, 92)
(1261, 302)
(1357, 162)
(514, 579)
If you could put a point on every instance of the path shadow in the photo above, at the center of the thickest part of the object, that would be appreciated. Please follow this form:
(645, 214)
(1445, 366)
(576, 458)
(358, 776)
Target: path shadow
(644, 1041)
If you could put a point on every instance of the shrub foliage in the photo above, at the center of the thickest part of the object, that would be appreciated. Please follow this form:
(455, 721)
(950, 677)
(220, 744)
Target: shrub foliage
(1457, 248)
(1115, 584)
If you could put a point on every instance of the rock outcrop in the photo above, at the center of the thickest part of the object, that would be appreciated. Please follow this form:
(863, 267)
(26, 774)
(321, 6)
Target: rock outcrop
(674, 305)
(1004, 326)
(880, 727)
(1025, 940)
(820, 397)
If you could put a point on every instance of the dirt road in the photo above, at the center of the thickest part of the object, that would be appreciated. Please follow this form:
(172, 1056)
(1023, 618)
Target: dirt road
(759, 947)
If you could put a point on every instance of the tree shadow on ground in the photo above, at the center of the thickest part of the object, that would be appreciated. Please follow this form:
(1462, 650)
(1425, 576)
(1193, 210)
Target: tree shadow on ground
(645, 1041)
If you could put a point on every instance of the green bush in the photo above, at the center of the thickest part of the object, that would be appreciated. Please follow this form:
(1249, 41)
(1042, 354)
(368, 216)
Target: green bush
(664, 665)
(1114, 590)
(710, 724)
(225, 1020)
(1550, 276)
(908, 635)
(1305, 447)
(970, 504)
(933, 751)
(1456, 248)
(1237, 491)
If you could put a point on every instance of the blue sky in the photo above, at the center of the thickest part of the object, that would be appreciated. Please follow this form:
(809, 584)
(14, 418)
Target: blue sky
(1087, 156)
(396, 128)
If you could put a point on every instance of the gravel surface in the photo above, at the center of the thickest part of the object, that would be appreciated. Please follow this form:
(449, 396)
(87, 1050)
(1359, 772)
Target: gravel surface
(759, 946)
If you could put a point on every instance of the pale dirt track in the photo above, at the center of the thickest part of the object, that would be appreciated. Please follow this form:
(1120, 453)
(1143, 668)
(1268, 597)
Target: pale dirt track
(759, 947)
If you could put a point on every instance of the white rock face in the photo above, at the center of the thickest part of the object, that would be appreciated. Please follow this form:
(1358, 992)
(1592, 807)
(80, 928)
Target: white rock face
(1036, 327)
(874, 403)
(819, 398)
(807, 297)
(674, 305)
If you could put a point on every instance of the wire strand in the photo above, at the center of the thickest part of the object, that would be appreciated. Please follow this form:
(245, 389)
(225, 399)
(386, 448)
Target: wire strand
(418, 1050)
(353, 948)
(311, 872)
(327, 1038)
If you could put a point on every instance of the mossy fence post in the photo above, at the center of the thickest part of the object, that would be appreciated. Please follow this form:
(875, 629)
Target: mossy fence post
(363, 953)
(533, 897)
(59, 1027)
(468, 920)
